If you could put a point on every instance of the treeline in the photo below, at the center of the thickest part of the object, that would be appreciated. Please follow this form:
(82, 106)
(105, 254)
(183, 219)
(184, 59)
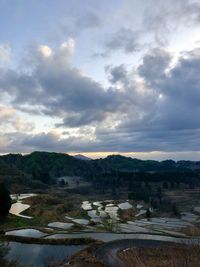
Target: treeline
(168, 179)
(149, 186)
(39, 168)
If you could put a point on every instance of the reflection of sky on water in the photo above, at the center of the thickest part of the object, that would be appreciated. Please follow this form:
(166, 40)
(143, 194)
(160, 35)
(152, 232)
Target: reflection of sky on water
(26, 232)
(115, 236)
(61, 225)
(38, 255)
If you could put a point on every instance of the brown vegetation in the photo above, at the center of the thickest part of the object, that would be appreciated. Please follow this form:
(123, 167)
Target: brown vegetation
(47, 241)
(167, 256)
(84, 258)
(50, 207)
(192, 231)
(127, 215)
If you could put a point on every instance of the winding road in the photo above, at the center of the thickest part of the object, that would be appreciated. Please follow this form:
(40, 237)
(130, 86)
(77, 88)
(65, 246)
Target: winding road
(107, 253)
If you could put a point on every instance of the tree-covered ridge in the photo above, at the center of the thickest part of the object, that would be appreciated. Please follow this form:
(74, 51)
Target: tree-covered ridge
(40, 168)
(118, 162)
(40, 163)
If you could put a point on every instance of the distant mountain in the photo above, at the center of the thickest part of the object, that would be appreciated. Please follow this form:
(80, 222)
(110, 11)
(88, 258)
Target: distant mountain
(82, 157)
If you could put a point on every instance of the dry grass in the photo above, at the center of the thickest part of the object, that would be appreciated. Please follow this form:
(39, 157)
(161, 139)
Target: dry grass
(127, 215)
(179, 256)
(49, 207)
(192, 231)
(84, 258)
(165, 256)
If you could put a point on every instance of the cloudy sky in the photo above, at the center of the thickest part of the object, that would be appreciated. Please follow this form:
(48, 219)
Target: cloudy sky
(100, 77)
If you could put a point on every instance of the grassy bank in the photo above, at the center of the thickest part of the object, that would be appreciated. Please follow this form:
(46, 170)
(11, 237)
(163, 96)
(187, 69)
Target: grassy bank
(48, 241)
(167, 256)
(12, 221)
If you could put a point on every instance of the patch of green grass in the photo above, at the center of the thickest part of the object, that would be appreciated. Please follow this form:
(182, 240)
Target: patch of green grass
(12, 221)
(48, 208)
(77, 227)
(84, 214)
(110, 225)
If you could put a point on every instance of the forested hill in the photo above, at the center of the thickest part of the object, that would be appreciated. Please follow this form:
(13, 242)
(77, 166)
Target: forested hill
(45, 167)
(46, 164)
(118, 162)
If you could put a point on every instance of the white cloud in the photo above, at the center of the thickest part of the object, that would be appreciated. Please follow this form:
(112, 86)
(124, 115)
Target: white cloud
(45, 50)
(11, 121)
(68, 46)
(5, 52)
(131, 119)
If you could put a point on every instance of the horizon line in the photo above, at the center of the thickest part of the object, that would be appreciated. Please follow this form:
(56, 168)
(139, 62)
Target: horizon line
(151, 155)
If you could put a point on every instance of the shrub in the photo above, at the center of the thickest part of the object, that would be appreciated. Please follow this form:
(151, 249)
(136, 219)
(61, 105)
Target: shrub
(5, 201)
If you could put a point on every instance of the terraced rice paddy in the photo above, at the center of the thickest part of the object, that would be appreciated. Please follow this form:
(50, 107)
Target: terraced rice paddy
(101, 212)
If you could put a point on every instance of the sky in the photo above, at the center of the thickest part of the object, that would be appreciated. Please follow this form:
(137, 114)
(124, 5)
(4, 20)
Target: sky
(100, 77)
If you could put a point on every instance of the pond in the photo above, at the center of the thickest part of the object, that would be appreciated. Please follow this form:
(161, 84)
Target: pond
(166, 223)
(22, 196)
(126, 228)
(92, 214)
(86, 205)
(125, 206)
(26, 233)
(189, 217)
(61, 225)
(106, 237)
(81, 221)
(141, 212)
(112, 212)
(97, 203)
(38, 255)
(19, 207)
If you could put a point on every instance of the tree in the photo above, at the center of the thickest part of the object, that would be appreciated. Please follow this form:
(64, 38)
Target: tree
(148, 214)
(5, 201)
(175, 209)
(159, 194)
(148, 186)
(172, 184)
(62, 182)
(140, 195)
(165, 185)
